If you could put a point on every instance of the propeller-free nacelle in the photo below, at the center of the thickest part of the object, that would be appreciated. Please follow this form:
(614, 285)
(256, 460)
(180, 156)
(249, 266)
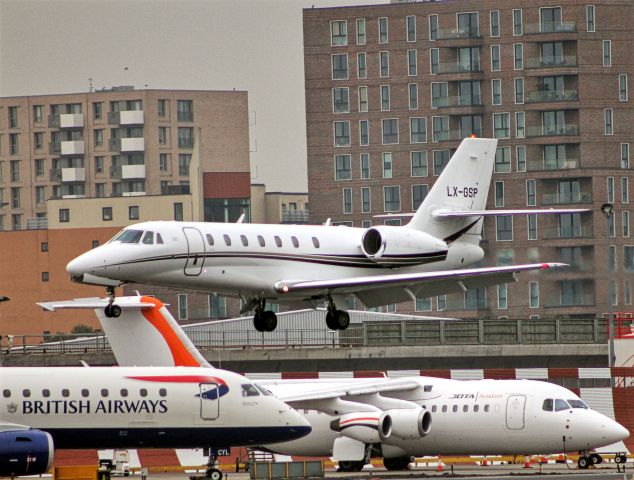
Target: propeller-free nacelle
(399, 246)
(366, 427)
(408, 424)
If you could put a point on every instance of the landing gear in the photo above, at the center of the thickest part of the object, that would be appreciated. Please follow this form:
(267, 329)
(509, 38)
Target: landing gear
(351, 465)
(264, 320)
(596, 459)
(584, 462)
(212, 472)
(621, 458)
(336, 319)
(111, 309)
(396, 463)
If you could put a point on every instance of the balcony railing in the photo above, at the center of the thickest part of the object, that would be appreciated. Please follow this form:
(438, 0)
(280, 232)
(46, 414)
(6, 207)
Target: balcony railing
(185, 142)
(551, 62)
(582, 300)
(453, 33)
(565, 164)
(552, 130)
(543, 96)
(571, 233)
(455, 67)
(447, 136)
(566, 199)
(37, 223)
(550, 27)
(294, 216)
(175, 190)
(457, 101)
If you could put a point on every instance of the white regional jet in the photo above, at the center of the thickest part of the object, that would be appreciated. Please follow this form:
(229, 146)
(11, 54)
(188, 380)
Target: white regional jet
(105, 407)
(304, 265)
(351, 417)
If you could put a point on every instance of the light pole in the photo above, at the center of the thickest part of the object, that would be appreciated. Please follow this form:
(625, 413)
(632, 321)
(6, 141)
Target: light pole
(608, 210)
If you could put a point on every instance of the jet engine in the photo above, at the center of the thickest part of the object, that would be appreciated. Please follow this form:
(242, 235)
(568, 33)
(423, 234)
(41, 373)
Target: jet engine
(401, 246)
(409, 424)
(25, 452)
(366, 427)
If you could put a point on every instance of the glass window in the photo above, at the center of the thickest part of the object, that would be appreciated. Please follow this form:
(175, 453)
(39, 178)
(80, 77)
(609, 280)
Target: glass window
(411, 28)
(494, 16)
(496, 91)
(347, 200)
(609, 127)
(520, 125)
(244, 240)
(419, 164)
(531, 197)
(387, 165)
(434, 59)
(340, 66)
(441, 158)
(590, 27)
(278, 241)
(383, 34)
(502, 296)
(64, 215)
(364, 138)
(439, 94)
(531, 218)
(363, 99)
(499, 194)
(517, 22)
(411, 63)
(392, 198)
(419, 192)
(607, 53)
(495, 58)
(365, 199)
(342, 133)
(626, 223)
(390, 131)
(385, 97)
(364, 160)
(413, 96)
(520, 151)
(628, 258)
(362, 71)
(548, 405)
(182, 306)
(133, 212)
(440, 128)
(106, 214)
(85, 392)
(384, 59)
(561, 405)
(433, 27)
(533, 288)
(418, 130)
(519, 90)
(623, 93)
(340, 101)
(501, 125)
(360, 31)
(339, 32)
(504, 227)
(624, 190)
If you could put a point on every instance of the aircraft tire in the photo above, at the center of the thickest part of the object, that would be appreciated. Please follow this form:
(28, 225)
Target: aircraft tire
(269, 320)
(214, 474)
(108, 311)
(342, 319)
(621, 458)
(351, 465)
(258, 322)
(583, 462)
(116, 311)
(596, 459)
(330, 321)
(396, 463)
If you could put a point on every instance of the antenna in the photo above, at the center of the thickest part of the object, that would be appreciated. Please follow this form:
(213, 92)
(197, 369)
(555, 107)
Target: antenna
(90, 83)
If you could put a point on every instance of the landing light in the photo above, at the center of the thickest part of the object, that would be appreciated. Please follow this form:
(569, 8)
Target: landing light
(473, 135)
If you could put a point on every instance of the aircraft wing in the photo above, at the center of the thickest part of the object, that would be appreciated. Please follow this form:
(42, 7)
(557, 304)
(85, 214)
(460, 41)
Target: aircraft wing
(393, 288)
(96, 302)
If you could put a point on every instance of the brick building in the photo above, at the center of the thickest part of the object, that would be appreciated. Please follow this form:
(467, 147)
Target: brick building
(392, 89)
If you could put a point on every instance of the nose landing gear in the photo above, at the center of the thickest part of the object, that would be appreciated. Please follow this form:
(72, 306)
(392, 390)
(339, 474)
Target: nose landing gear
(111, 310)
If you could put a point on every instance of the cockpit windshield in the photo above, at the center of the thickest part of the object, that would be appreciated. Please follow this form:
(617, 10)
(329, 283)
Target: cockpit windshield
(574, 403)
(134, 236)
(249, 390)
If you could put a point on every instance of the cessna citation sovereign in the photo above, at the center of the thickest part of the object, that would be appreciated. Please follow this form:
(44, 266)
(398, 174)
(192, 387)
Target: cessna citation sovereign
(301, 266)
(352, 418)
(127, 407)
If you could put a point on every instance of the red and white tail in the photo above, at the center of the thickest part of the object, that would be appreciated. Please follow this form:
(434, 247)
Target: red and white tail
(145, 334)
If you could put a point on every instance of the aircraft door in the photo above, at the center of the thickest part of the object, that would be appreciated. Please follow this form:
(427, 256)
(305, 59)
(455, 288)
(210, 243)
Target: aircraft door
(209, 401)
(195, 251)
(515, 406)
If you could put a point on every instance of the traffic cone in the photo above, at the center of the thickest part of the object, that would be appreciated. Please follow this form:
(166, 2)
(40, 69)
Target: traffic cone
(527, 462)
(439, 467)
(485, 462)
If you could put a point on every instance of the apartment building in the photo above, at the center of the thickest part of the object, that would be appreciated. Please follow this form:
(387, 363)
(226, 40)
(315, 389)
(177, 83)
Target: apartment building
(392, 89)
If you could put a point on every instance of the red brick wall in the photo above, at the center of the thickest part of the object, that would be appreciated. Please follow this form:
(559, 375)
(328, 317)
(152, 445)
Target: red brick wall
(226, 185)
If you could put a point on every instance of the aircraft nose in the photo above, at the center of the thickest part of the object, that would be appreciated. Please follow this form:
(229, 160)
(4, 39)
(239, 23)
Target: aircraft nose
(615, 432)
(77, 267)
(300, 424)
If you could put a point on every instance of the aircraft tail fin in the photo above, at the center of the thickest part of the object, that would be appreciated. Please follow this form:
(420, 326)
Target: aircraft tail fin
(463, 185)
(145, 334)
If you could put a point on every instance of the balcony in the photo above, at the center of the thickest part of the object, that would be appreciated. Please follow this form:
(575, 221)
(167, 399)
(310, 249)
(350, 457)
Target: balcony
(72, 147)
(568, 129)
(567, 233)
(294, 216)
(131, 117)
(37, 223)
(560, 164)
(546, 96)
(54, 147)
(550, 27)
(71, 120)
(136, 144)
(566, 199)
(455, 67)
(551, 62)
(175, 190)
(127, 172)
(73, 175)
(447, 136)
(458, 33)
(456, 101)
(561, 301)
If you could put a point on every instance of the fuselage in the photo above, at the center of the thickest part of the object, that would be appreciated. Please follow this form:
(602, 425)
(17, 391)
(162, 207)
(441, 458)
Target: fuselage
(250, 258)
(477, 417)
(125, 407)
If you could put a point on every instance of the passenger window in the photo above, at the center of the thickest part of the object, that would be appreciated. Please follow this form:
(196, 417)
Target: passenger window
(148, 238)
(261, 241)
(245, 242)
(561, 405)
(84, 392)
(227, 240)
(210, 240)
(486, 407)
(295, 242)
(476, 408)
(465, 408)
(46, 393)
(454, 408)
(316, 242)
(249, 390)
(26, 393)
(162, 392)
(124, 392)
(444, 408)
(6, 393)
(65, 392)
(159, 239)
(104, 392)
(548, 405)
(433, 408)
(278, 241)
(143, 392)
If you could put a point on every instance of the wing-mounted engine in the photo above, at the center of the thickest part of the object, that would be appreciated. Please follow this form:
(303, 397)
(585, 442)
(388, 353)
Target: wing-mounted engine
(24, 452)
(410, 423)
(393, 246)
(366, 427)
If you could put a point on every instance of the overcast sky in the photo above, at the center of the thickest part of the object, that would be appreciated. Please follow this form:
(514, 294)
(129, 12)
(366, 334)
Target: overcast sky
(55, 46)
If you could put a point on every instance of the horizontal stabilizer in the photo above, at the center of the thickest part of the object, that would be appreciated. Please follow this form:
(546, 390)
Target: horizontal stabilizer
(491, 213)
(95, 302)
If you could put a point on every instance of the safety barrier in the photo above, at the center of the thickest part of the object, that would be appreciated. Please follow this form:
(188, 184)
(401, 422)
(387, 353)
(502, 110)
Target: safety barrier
(275, 470)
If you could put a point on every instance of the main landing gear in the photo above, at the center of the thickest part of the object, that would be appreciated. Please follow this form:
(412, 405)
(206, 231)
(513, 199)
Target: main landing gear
(111, 309)
(336, 319)
(264, 320)
(585, 460)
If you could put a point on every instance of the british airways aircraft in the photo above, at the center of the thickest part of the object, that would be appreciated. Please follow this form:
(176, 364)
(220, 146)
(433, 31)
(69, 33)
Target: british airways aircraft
(301, 266)
(351, 418)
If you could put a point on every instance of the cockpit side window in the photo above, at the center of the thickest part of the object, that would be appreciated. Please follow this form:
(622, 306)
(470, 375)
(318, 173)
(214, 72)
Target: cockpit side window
(576, 403)
(263, 390)
(548, 405)
(159, 239)
(249, 390)
(561, 405)
(148, 238)
(129, 236)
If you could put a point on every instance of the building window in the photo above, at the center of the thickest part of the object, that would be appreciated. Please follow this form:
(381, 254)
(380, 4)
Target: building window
(501, 125)
(40, 195)
(440, 128)
(106, 214)
(185, 110)
(15, 197)
(16, 221)
(531, 219)
(607, 53)
(390, 131)
(178, 211)
(520, 151)
(502, 160)
(502, 296)
(418, 130)
(45, 276)
(590, 27)
(100, 190)
(439, 94)
(217, 306)
(340, 103)
(361, 65)
(162, 108)
(626, 223)
(474, 299)
(363, 99)
(340, 66)
(441, 158)
(411, 63)
(434, 60)
(38, 113)
(13, 143)
(163, 135)
(519, 90)
(39, 167)
(387, 165)
(347, 200)
(184, 160)
(413, 96)
(517, 22)
(384, 59)
(494, 16)
(365, 200)
(185, 137)
(423, 304)
(607, 116)
(133, 212)
(338, 32)
(14, 170)
(182, 306)
(342, 134)
(496, 91)
(623, 94)
(342, 167)
(411, 28)
(531, 196)
(360, 31)
(419, 164)
(64, 215)
(499, 194)
(533, 289)
(520, 125)
(364, 137)
(419, 192)
(625, 155)
(38, 140)
(383, 37)
(495, 58)
(433, 27)
(392, 198)
(13, 117)
(385, 97)
(364, 159)
(164, 161)
(44, 247)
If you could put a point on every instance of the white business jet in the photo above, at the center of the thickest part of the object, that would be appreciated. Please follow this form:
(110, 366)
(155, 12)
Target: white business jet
(351, 418)
(129, 407)
(301, 266)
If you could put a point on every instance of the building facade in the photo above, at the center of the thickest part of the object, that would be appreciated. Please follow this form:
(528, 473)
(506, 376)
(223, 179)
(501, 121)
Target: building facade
(392, 89)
